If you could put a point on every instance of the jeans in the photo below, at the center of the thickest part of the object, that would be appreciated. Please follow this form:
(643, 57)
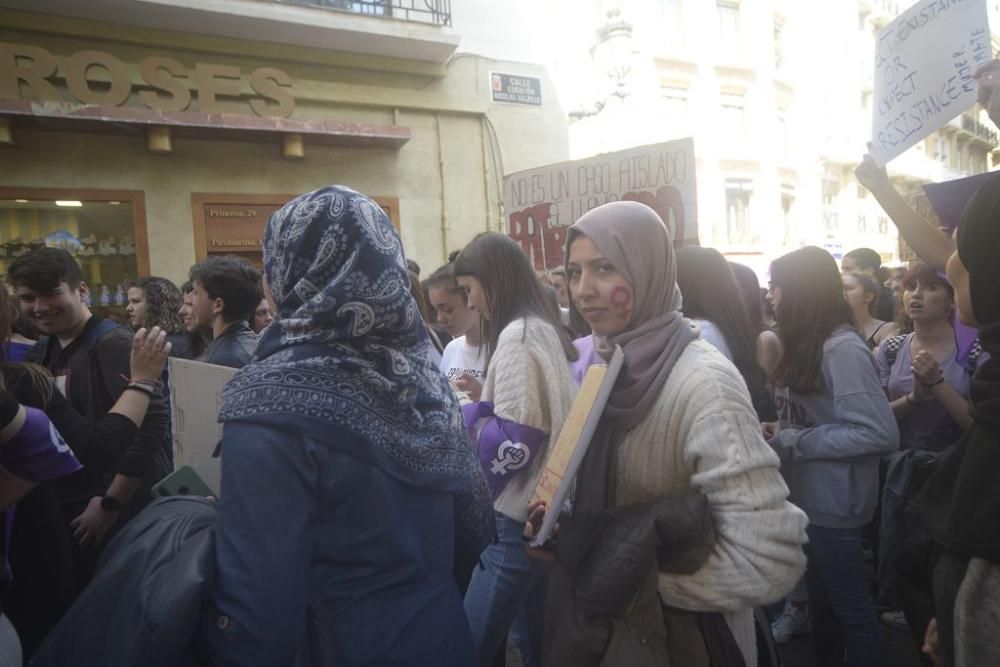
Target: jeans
(845, 628)
(505, 588)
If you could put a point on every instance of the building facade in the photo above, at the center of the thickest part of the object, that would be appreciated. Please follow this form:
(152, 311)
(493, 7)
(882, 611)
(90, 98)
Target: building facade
(777, 95)
(144, 135)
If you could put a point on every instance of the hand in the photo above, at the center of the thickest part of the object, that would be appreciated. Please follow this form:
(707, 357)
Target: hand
(536, 515)
(872, 176)
(149, 354)
(926, 369)
(91, 526)
(988, 77)
(932, 644)
(769, 430)
(471, 386)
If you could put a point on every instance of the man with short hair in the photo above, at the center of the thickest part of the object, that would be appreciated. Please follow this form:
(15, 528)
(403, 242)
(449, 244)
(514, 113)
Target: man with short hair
(225, 291)
(89, 358)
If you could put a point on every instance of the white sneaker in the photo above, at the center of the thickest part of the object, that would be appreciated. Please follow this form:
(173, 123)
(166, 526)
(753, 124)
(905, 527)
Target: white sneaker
(791, 622)
(895, 619)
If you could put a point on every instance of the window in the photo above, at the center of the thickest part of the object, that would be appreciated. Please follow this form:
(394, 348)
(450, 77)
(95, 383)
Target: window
(104, 230)
(738, 194)
(779, 54)
(734, 121)
(675, 103)
(787, 204)
(670, 21)
(729, 28)
(944, 150)
(783, 143)
(831, 217)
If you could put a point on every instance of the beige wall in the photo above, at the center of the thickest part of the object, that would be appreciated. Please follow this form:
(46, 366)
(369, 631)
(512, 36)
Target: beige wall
(445, 177)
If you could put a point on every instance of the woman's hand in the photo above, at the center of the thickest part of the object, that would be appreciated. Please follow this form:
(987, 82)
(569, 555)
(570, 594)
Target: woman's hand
(769, 430)
(149, 354)
(932, 644)
(926, 370)
(91, 526)
(536, 515)
(471, 386)
(872, 176)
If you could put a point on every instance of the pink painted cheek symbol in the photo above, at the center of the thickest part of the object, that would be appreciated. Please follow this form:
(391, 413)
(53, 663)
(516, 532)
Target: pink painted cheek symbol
(621, 301)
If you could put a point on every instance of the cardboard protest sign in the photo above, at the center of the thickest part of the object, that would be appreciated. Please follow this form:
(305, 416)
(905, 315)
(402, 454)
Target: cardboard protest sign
(195, 400)
(566, 454)
(540, 204)
(924, 62)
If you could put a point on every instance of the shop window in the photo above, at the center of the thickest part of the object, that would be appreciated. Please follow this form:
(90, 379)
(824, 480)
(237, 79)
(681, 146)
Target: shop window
(104, 231)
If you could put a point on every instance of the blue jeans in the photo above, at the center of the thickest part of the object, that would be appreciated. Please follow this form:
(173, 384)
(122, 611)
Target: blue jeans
(844, 624)
(504, 588)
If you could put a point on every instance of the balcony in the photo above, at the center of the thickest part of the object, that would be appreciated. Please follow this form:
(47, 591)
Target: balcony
(435, 12)
(410, 30)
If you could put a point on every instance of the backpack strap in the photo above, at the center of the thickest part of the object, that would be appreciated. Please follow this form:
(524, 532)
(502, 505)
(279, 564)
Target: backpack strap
(103, 327)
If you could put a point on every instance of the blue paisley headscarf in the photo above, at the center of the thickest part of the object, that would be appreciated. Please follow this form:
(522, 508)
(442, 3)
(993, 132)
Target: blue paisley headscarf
(348, 348)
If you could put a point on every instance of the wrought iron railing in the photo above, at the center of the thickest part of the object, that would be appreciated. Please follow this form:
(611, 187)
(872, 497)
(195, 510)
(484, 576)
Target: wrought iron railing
(436, 12)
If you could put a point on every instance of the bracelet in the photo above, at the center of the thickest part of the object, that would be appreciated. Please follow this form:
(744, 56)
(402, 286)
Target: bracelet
(144, 388)
(935, 383)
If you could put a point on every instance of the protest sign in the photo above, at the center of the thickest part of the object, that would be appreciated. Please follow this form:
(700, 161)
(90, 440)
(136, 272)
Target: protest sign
(540, 204)
(567, 453)
(195, 400)
(924, 63)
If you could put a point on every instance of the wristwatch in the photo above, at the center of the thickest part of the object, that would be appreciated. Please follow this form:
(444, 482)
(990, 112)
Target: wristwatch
(111, 504)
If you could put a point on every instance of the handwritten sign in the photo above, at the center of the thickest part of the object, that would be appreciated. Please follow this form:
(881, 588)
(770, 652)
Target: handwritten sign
(924, 62)
(540, 204)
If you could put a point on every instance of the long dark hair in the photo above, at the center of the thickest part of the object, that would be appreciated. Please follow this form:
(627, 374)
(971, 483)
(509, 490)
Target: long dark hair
(750, 290)
(511, 288)
(812, 306)
(710, 292)
(163, 303)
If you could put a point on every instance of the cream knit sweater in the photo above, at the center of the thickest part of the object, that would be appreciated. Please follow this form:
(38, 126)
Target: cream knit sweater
(529, 382)
(702, 433)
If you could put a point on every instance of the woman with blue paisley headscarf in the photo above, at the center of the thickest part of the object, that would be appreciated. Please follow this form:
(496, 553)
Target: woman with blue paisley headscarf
(346, 472)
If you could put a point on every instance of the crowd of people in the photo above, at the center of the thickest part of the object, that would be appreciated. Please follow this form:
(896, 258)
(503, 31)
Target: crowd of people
(761, 451)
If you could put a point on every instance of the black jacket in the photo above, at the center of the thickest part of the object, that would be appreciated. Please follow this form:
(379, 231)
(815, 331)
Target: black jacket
(234, 347)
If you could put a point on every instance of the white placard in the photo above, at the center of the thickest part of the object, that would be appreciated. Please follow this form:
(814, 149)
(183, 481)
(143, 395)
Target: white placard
(924, 62)
(540, 204)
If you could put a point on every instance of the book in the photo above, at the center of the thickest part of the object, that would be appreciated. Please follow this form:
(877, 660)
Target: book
(566, 456)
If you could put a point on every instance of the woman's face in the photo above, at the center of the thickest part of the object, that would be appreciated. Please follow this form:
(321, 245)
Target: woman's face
(855, 294)
(925, 303)
(136, 309)
(475, 295)
(602, 295)
(452, 313)
(958, 276)
(773, 296)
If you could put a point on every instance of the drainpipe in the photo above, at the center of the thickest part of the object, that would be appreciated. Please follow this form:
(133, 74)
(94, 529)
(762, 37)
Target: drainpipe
(444, 211)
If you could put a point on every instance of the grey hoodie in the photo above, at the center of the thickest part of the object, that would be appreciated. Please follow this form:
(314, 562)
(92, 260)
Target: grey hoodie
(830, 441)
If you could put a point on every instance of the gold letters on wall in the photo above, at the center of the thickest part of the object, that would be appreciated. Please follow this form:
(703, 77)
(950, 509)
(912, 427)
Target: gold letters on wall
(25, 73)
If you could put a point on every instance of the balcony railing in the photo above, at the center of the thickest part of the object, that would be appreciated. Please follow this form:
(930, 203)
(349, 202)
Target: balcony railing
(435, 12)
(972, 125)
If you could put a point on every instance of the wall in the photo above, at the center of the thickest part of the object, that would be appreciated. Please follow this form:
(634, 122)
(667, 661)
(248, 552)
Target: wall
(446, 176)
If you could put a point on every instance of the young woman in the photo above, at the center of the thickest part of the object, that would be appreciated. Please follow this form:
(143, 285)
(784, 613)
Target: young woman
(679, 422)
(347, 422)
(768, 344)
(156, 302)
(861, 291)
(526, 396)
(712, 300)
(928, 388)
(835, 423)
(464, 359)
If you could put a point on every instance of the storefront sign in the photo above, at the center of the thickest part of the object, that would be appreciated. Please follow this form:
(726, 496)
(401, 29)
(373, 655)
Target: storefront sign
(516, 89)
(99, 78)
(924, 66)
(540, 204)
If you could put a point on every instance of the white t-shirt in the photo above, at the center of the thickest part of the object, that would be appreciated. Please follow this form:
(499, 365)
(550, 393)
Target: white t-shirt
(714, 335)
(460, 359)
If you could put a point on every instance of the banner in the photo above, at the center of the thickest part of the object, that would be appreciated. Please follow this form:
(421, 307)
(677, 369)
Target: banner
(924, 62)
(195, 400)
(539, 204)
